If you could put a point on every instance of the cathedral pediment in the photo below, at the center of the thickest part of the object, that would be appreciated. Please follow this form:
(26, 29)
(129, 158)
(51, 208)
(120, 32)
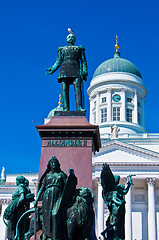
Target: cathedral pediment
(116, 152)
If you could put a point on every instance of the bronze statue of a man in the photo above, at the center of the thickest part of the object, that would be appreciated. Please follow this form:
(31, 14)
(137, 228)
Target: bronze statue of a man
(73, 70)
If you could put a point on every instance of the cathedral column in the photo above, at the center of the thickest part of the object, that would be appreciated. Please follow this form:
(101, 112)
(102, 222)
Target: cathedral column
(100, 209)
(91, 112)
(135, 118)
(109, 110)
(151, 209)
(5, 203)
(128, 213)
(142, 107)
(123, 108)
(97, 107)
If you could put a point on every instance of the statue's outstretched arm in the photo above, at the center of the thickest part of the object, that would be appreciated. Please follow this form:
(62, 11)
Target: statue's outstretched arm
(129, 184)
(57, 64)
(122, 190)
(125, 191)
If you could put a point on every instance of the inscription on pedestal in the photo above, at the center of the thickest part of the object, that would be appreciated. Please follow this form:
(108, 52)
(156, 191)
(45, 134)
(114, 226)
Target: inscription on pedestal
(66, 143)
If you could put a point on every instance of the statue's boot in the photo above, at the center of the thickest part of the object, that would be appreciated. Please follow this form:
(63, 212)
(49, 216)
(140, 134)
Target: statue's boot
(81, 109)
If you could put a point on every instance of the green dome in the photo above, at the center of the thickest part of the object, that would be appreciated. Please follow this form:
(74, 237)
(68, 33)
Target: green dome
(117, 64)
(51, 113)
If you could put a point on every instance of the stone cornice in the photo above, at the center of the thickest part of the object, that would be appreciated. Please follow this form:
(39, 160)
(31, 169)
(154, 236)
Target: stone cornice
(127, 164)
(148, 141)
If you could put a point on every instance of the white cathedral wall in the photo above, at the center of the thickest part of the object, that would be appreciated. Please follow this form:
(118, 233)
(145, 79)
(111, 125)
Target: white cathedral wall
(137, 225)
(157, 218)
(139, 221)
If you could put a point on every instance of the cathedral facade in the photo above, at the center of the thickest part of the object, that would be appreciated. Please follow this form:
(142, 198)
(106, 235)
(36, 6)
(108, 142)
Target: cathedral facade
(117, 94)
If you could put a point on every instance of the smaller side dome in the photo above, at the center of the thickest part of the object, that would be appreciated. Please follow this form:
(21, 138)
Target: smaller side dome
(51, 113)
(117, 64)
(58, 108)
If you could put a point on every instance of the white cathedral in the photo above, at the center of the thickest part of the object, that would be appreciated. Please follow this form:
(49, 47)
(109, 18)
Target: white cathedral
(117, 94)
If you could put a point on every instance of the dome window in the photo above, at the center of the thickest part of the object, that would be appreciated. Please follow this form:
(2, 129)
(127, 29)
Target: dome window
(103, 115)
(116, 113)
(129, 99)
(104, 99)
(129, 115)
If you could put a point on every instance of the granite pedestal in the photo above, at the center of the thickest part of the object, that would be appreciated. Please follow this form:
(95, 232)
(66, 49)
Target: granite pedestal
(71, 139)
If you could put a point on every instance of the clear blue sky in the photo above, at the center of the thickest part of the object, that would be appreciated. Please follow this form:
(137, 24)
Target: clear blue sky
(32, 31)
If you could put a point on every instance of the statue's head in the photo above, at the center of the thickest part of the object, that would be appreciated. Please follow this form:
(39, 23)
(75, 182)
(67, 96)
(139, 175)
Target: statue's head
(117, 179)
(53, 164)
(26, 182)
(71, 38)
(20, 180)
(86, 194)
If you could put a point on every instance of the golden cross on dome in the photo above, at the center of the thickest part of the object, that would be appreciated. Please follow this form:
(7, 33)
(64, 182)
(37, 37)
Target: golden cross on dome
(59, 103)
(116, 45)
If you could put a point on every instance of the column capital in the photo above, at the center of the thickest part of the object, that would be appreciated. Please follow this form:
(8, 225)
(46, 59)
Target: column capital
(150, 181)
(151, 209)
